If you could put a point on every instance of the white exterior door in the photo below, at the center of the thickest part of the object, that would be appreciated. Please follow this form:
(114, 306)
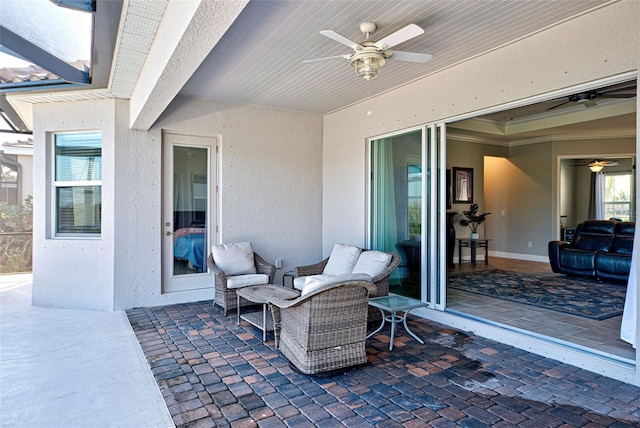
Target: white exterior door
(188, 211)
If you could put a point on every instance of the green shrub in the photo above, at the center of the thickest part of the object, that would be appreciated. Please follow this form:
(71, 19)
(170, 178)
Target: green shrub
(16, 243)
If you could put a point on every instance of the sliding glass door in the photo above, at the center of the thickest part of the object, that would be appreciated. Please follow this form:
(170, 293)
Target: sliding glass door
(404, 210)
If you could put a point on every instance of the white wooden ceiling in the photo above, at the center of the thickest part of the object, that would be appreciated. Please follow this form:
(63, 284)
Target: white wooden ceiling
(259, 60)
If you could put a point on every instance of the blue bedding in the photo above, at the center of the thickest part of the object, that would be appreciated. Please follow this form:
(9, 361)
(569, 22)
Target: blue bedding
(190, 247)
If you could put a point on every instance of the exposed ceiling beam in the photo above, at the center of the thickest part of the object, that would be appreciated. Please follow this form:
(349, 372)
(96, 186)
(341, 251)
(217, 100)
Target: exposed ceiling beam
(187, 33)
(13, 120)
(44, 59)
(83, 5)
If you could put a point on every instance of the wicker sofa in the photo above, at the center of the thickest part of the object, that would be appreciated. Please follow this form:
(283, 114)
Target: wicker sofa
(326, 327)
(379, 276)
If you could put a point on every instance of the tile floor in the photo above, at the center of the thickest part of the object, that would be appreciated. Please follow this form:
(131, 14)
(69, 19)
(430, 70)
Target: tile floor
(215, 373)
(600, 336)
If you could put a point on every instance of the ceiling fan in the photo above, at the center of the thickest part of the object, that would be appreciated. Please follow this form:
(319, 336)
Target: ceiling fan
(598, 165)
(369, 56)
(588, 98)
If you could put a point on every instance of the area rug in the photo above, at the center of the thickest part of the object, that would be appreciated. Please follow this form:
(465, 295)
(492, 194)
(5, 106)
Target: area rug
(582, 297)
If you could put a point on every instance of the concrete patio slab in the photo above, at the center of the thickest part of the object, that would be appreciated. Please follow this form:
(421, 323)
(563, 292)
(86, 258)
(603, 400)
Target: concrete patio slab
(71, 368)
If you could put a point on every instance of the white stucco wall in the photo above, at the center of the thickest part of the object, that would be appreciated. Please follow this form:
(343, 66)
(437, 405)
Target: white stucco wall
(67, 272)
(270, 181)
(270, 193)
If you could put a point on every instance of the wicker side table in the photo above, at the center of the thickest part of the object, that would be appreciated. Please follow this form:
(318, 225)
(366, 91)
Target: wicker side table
(260, 294)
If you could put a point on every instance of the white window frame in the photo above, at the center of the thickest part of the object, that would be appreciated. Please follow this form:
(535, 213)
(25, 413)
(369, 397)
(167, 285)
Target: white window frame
(630, 203)
(55, 184)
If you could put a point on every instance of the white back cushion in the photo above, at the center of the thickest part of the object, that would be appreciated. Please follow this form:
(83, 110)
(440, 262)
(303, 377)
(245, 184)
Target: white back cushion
(342, 260)
(372, 263)
(314, 282)
(234, 259)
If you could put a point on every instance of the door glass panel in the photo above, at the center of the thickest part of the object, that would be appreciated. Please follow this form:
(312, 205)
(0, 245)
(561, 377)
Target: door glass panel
(396, 207)
(190, 202)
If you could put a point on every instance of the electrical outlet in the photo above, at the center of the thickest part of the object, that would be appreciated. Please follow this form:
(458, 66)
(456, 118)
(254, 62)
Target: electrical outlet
(502, 213)
(529, 244)
(278, 263)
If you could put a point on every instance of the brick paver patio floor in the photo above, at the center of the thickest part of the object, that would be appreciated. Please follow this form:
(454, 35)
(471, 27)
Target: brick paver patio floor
(213, 372)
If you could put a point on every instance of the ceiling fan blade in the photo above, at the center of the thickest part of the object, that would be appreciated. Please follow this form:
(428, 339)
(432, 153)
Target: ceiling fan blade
(618, 89)
(326, 57)
(339, 38)
(612, 95)
(402, 35)
(559, 105)
(410, 56)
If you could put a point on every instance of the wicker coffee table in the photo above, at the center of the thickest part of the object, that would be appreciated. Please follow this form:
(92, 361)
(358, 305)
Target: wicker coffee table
(394, 304)
(260, 294)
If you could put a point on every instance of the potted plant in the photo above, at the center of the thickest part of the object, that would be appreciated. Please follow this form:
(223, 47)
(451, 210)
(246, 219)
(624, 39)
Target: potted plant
(473, 219)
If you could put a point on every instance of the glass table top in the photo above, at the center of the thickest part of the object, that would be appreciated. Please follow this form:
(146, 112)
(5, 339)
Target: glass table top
(393, 303)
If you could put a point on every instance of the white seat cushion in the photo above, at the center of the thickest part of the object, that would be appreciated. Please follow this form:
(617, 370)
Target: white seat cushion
(234, 259)
(298, 283)
(240, 281)
(372, 263)
(314, 282)
(342, 260)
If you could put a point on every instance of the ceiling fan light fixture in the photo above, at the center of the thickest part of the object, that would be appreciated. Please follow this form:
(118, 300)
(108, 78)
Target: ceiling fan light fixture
(596, 168)
(367, 64)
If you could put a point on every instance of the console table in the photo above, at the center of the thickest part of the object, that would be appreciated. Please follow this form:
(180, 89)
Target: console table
(473, 245)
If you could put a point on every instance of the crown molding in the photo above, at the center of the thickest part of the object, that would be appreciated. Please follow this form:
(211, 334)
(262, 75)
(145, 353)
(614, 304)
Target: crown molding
(536, 140)
(568, 137)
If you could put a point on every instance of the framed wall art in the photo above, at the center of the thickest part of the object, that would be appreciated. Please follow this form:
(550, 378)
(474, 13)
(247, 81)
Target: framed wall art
(462, 185)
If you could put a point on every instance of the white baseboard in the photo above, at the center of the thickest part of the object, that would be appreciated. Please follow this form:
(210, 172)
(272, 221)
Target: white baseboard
(516, 256)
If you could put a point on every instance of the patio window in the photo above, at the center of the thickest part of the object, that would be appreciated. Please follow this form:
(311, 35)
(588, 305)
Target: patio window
(77, 184)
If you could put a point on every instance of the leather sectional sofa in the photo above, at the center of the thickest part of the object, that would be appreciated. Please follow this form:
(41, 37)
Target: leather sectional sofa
(600, 249)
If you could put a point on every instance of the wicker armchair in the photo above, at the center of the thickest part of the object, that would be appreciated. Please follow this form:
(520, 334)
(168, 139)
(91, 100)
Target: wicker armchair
(325, 329)
(226, 297)
(381, 281)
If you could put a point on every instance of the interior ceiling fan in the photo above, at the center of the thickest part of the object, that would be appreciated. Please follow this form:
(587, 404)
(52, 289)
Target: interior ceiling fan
(588, 98)
(369, 56)
(598, 165)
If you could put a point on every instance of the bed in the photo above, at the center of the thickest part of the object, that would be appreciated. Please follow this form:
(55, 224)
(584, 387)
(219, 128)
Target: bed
(189, 244)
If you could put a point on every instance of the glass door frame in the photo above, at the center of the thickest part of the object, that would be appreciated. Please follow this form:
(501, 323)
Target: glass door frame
(435, 135)
(172, 282)
(433, 268)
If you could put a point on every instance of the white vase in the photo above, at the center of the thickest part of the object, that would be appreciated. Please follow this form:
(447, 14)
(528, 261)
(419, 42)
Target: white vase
(475, 236)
